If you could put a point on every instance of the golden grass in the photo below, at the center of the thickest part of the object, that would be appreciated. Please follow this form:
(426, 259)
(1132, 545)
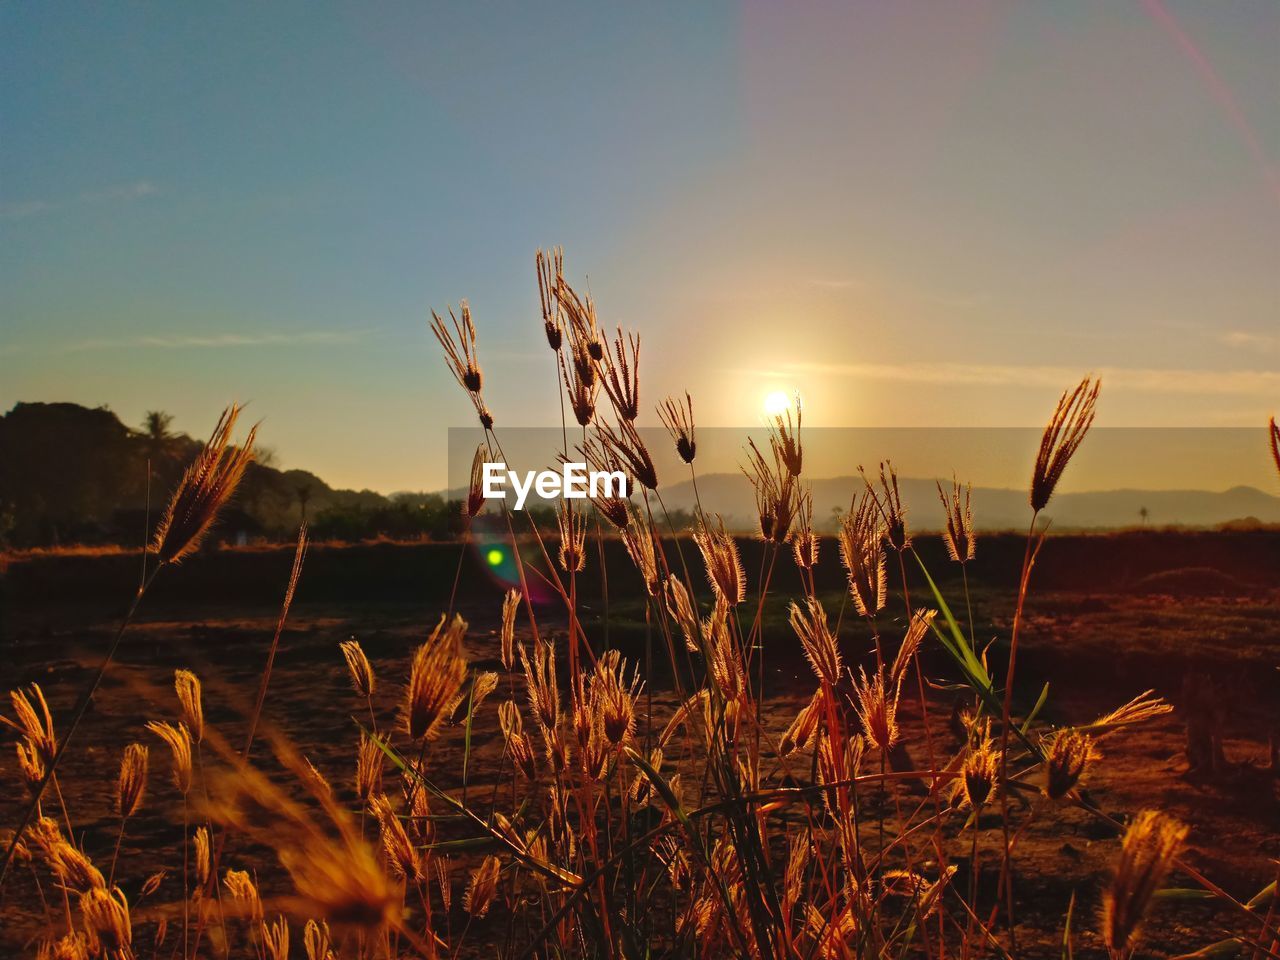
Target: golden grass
(615, 826)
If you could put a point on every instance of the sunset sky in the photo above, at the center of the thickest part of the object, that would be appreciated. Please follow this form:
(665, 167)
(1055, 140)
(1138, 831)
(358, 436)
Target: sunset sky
(914, 214)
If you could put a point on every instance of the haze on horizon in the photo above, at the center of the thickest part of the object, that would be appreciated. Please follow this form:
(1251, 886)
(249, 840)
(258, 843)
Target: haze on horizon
(913, 215)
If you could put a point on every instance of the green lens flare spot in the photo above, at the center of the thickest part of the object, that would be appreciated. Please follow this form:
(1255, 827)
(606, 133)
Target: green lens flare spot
(495, 557)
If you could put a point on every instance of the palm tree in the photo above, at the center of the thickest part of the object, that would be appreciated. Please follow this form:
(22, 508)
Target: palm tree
(156, 426)
(157, 437)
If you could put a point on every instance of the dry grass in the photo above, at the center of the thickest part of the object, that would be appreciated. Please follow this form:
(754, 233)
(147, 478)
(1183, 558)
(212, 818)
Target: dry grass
(617, 827)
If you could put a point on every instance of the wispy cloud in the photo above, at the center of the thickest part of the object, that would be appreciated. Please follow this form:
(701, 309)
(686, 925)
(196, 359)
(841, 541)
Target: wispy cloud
(1251, 341)
(221, 341)
(114, 193)
(1144, 380)
(833, 283)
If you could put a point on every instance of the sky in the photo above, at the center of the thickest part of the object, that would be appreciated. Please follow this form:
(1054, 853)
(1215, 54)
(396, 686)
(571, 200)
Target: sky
(912, 214)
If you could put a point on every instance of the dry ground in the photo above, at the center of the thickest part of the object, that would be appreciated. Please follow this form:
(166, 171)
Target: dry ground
(1234, 839)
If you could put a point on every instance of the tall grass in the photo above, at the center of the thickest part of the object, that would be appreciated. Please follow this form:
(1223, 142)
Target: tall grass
(616, 827)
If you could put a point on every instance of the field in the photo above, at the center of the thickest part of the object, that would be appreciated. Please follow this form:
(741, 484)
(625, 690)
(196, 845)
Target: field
(609, 734)
(1109, 617)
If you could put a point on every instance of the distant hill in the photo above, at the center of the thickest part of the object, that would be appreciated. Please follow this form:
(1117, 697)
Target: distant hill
(71, 474)
(1002, 509)
(994, 508)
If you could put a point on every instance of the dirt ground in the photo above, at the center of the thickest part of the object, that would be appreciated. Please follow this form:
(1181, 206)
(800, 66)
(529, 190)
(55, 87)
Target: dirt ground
(1098, 650)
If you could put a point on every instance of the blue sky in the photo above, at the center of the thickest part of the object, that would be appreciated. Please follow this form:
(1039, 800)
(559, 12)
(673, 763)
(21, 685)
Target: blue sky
(913, 214)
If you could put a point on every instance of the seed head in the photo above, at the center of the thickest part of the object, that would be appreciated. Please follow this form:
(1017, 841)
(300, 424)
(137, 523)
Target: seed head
(724, 566)
(152, 884)
(435, 679)
(838, 760)
(106, 921)
(540, 680)
(804, 543)
(314, 780)
(46, 835)
(133, 779)
(362, 676)
(1065, 432)
(958, 535)
(441, 865)
(510, 603)
(460, 351)
(550, 268)
(475, 490)
(981, 767)
(615, 509)
(801, 733)
(785, 440)
(72, 946)
(724, 655)
(1150, 845)
(74, 870)
(334, 873)
(275, 937)
(861, 551)
(369, 760)
(35, 723)
(482, 684)
(482, 887)
(203, 858)
(680, 606)
(877, 706)
(616, 696)
(316, 940)
(1141, 708)
(402, 855)
(187, 685)
(573, 539)
(775, 492)
(622, 375)
(1069, 754)
(678, 419)
(820, 647)
(244, 894)
(921, 620)
(626, 446)
(203, 491)
(888, 502)
(31, 765)
(581, 383)
(518, 744)
(638, 539)
(584, 330)
(593, 749)
(179, 740)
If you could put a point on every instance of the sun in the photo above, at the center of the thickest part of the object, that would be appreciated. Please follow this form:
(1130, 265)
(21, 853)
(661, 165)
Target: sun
(776, 402)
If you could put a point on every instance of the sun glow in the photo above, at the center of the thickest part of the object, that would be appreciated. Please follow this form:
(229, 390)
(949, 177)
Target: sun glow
(777, 402)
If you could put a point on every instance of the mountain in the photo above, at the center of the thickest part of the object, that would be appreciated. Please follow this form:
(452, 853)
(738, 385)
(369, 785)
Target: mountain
(73, 474)
(1000, 509)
